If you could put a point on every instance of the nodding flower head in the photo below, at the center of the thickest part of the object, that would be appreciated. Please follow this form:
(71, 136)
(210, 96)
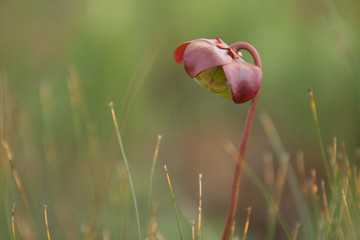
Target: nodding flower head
(220, 69)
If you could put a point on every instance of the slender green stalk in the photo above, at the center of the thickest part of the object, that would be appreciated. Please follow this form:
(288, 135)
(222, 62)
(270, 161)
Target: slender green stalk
(173, 199)
(111, 105)
(318, 133)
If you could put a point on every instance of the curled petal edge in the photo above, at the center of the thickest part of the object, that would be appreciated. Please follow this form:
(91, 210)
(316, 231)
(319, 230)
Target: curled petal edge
(244, 80)
(179, 52)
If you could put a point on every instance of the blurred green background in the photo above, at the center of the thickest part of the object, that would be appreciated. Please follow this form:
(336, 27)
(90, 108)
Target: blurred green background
(62, 62)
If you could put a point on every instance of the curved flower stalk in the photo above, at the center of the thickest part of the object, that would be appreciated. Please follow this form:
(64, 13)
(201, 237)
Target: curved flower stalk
(220, 69)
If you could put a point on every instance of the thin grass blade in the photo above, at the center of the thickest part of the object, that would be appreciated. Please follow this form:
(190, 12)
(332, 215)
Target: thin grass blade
(173, 199)
(318, 133)
(127, 168)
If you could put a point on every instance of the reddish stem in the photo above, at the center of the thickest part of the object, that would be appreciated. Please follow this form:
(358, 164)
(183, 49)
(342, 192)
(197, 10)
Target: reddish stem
(244, 139)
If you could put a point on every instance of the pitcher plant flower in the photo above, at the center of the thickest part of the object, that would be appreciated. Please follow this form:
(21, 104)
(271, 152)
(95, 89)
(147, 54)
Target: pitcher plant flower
(220, 69)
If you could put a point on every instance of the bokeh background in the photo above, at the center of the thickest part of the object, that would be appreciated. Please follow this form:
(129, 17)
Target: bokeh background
(62, 62)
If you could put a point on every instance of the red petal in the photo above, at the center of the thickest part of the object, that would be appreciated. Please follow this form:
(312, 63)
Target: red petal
(203, 54)
(179, 52)
(244, 80)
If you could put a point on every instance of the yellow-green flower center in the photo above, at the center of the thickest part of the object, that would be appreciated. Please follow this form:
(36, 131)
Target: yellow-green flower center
(215, 81)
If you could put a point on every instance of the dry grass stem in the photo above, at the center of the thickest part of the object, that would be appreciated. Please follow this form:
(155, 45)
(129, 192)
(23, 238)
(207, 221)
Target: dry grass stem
(272, 134)
(281, 177)
(200, 206)
(152, 173)
(332, 213)
(301, 171)
(348, 214)
(46, 223)
(269, 175)
(230, 148)
(326, 209)
(357, 181)
(153, 223)
(314, 186)
(345, 159)
(296, 230)
(247, 222)
(315, 201)
(346, 185)
(333, 159)
(13, 220)
(357, 158)
(233, 230)
(106, 235)
(63, 214)
(193, 229)
(15, 173)
(318, 133)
